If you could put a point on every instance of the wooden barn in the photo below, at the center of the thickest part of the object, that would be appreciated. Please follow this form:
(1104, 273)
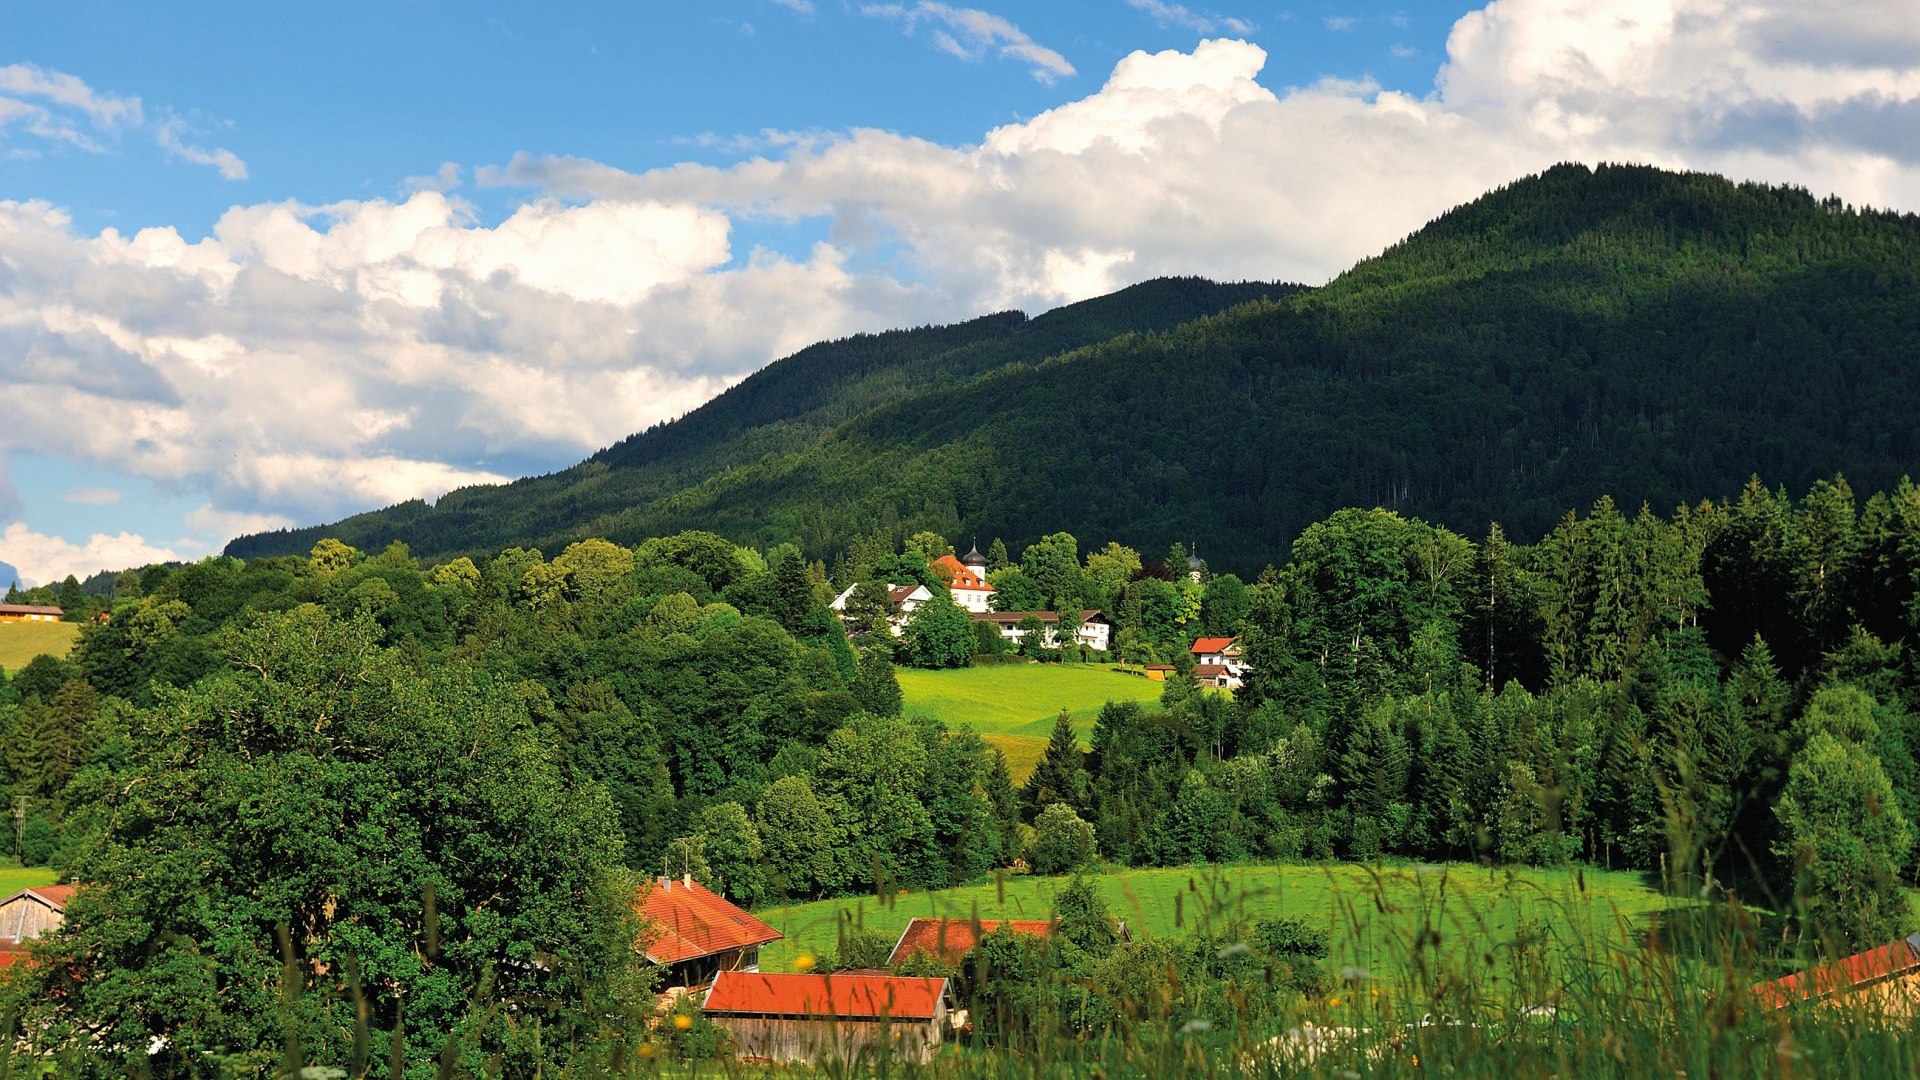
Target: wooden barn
(950, 940)
(31, 912)
(1885, 980)
(696, 934)
(29, 613)
(844, 1017)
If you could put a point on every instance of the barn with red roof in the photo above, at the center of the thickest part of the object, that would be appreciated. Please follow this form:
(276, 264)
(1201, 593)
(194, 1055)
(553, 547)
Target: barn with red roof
(31, 912)
(1884, 980)
(840, 1017)
(950, 940)
(696, 934)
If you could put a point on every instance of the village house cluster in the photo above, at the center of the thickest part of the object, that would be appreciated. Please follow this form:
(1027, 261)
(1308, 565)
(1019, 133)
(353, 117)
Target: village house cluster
(966, 579)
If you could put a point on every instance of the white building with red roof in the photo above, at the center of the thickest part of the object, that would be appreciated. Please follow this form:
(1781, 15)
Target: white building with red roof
(1216, 662)
(967, 580)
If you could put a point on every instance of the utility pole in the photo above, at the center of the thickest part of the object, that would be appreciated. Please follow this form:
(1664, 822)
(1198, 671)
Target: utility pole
(19, 828)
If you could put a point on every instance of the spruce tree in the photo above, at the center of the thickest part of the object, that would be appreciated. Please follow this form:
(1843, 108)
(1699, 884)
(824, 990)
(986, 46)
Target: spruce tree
(1061, 776)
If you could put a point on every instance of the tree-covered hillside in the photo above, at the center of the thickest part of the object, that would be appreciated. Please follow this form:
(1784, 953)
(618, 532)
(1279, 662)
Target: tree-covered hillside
(1625, 330)
(767, 421)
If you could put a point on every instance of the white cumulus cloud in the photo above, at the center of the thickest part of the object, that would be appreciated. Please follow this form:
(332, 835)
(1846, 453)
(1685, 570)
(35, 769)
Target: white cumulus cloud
(301, 362)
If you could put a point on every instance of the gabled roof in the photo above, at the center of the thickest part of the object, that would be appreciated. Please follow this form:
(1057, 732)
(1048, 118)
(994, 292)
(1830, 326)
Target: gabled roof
(950, 940)
(690, 921)
(30, 609)
(53, 896)
(1849, 973)
(1213, 645)
(755, 993)
(900, 593)
(1208, 671)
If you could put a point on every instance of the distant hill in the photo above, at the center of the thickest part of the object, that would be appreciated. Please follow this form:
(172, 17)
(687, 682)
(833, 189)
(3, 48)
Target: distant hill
(1626, 330)
(777, 414)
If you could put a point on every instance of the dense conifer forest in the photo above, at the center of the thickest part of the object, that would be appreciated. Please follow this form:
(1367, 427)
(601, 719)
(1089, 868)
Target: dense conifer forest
(1625, 331)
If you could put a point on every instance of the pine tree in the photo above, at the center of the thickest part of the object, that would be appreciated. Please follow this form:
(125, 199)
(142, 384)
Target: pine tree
(998, 786)
(793, 587)
(1061, 776)
(997, 557)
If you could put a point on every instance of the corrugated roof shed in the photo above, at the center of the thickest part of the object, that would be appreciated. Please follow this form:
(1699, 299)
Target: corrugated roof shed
(1849, 973)
(950, 940)
(753, 993)
(691, 921)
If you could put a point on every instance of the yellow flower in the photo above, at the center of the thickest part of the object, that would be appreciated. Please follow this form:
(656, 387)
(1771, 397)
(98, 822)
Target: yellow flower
(646, 1050)
(1335, 1002)
(683, 1022)
(803, 962)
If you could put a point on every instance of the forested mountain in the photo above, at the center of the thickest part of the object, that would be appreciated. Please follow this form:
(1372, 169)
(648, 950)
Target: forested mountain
(1624, 330)
(763, 424)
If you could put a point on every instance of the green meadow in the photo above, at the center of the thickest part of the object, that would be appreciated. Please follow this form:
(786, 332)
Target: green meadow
(1013, 706)
(1373, 914)
(20, 642)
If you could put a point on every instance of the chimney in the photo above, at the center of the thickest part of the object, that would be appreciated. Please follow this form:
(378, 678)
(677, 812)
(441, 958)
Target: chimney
(687, 880)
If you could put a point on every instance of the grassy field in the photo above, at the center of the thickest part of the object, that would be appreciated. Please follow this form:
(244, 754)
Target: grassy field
(1012, 706)
(15, 878)
(22, 641)
(1371, 913)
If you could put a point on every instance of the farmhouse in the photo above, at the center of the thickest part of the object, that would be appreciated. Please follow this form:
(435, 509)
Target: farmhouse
(31, 912)
(841, 1017)
(903, 599)
(696, 934)
(967, 579)
(1885, 980)
(29, 613)
(950, 940)
(1096, 631)
(1216, 662)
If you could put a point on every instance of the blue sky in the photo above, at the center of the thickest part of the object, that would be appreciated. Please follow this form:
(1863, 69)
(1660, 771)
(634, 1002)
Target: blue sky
(266, 265)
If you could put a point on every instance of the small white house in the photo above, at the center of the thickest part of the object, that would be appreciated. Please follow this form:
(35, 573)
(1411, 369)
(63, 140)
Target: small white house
(904, 598)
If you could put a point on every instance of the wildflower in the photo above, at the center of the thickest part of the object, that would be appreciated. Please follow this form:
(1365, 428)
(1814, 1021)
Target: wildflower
(682, 1022)
(1335, 1002)
(803, 962)
(646, 1050)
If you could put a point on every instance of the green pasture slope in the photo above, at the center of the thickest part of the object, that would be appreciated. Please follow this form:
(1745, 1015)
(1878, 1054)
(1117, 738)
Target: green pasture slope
(1013, 706)
(1373, 914)
(20, 642)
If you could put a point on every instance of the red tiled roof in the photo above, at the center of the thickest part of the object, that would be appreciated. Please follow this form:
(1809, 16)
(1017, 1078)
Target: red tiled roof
(754, 993)
(950, 940)
(690, 921)
(959, 575)
(1212, 645)
(12, 952)
(30, 609)
(54, 896)
(1860, 969)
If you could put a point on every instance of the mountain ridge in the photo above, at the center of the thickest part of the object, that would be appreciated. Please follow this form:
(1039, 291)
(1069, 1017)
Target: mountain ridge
(1658, 335)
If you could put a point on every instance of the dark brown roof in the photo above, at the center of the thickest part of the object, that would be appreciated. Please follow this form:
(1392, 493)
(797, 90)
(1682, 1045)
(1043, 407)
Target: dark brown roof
(30, 609)
(1047, 617)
